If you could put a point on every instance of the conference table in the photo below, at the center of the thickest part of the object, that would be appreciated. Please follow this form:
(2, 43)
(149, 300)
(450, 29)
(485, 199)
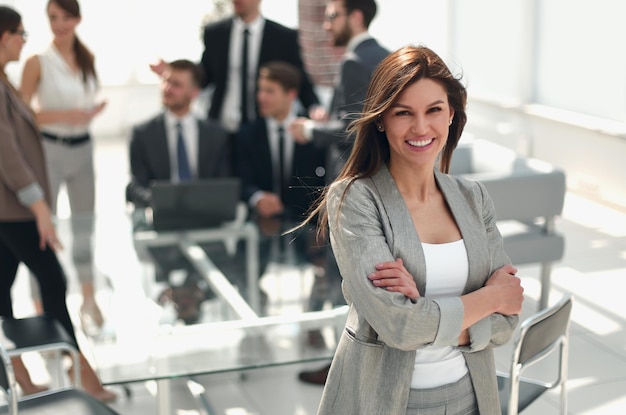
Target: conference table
(206, 301)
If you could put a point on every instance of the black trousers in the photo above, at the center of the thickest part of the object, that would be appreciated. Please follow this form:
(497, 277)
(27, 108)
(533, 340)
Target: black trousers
(19, 242)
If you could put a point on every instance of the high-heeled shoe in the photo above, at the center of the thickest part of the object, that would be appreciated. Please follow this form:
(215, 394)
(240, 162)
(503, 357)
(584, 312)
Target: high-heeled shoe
(90, 382)
(91, 318)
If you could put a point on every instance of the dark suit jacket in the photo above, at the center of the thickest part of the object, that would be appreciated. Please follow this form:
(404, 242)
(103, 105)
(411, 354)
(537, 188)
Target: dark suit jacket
(278, 43)
(150, 160)
(255, 169)
(22, 160)
(347, 102)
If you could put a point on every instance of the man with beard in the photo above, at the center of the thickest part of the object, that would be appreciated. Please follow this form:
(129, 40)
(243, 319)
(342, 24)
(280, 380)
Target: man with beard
(176, 145)
(347, 21)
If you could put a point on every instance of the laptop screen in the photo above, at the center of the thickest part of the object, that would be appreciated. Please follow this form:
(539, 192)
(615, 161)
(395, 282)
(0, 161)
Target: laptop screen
(196, 204)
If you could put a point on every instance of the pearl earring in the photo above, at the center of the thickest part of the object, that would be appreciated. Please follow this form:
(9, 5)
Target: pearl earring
(380, 127)
(450, 121)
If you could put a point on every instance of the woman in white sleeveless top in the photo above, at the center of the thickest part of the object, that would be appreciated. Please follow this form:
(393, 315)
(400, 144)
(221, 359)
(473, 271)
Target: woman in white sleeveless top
(61, 83)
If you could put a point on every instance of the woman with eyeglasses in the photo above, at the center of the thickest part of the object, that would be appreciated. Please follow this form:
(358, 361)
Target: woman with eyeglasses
(61, 83)
(27, 233)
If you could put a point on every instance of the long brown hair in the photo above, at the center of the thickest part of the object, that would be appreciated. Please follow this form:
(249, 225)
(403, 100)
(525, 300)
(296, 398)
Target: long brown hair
(84, 57)
(393, 75)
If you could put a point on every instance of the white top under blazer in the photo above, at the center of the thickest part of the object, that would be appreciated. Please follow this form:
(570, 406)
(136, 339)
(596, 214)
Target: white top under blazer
(447, 270)
(60, 88)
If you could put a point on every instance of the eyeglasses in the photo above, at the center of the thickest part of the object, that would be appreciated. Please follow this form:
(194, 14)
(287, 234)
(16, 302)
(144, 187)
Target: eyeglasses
(22, 33)
(332, 16)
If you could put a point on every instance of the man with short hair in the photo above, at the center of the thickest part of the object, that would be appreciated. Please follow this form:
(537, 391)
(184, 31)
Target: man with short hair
(155, 150)
(280, 177)
(348, 22)
(274, 185)
(175, 146)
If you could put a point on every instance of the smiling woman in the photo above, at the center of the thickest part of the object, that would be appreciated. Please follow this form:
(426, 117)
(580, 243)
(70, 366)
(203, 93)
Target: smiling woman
(430, 288)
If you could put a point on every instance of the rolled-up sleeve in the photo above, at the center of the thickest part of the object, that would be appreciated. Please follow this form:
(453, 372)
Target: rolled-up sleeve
(30, 194)
(450, 321)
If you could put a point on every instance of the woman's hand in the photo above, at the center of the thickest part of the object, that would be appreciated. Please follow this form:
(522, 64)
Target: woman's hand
(508, 288)
(45, 227)
(394, 277)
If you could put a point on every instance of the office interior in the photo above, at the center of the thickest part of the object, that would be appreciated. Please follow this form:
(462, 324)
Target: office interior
(546, 79)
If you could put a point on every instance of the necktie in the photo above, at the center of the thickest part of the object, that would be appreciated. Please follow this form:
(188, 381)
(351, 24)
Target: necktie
(281, 161)
(244, 77)
(184, 172)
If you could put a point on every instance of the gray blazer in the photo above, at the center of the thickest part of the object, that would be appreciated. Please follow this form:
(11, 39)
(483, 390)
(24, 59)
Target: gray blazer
(22, 159)
(372, 368)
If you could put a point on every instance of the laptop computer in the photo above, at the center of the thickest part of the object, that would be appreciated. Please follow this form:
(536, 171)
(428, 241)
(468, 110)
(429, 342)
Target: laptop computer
(196, 204)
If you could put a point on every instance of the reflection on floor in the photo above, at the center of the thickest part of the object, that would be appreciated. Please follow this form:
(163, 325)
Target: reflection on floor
(593, 270)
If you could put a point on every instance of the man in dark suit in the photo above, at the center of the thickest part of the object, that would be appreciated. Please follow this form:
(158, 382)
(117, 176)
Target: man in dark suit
(280, 178)
(174, 146)
(348, 22)
(154, 147)
(303, 171)
(222, 61)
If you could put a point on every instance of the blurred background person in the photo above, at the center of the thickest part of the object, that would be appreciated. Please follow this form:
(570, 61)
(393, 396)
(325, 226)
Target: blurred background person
(234, 49)
(27, 234)
(280, 177)
(155, 152)
(62, 84)
(347, 22)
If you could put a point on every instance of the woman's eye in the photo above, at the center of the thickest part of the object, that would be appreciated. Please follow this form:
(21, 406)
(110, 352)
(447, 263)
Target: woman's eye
(402, 113)
(435, 109)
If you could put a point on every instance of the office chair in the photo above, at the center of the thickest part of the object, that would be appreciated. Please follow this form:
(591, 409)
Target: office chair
(40, 334)
(540, 335)
(66, 400)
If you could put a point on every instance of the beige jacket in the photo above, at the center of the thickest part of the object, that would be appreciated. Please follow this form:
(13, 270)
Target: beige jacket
(372, 368)
(22, 160)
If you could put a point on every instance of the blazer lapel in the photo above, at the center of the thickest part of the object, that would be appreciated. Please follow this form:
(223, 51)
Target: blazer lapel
(470, 225)
(161, 149)
(406, 243)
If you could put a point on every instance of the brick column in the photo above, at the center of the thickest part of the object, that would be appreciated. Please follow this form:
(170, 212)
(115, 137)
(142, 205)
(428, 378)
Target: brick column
(320, 58)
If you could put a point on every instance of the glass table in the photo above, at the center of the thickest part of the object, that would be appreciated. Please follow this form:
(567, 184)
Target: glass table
(232, 298)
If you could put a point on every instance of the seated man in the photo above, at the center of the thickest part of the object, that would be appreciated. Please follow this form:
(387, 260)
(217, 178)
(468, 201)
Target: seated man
(280, 178)
(175, 145)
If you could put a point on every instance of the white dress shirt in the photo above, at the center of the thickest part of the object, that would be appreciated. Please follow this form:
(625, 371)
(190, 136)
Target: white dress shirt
(231, 111)
(189, 125)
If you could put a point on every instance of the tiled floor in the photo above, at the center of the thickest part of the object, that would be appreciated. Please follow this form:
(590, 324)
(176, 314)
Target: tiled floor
(593, 269)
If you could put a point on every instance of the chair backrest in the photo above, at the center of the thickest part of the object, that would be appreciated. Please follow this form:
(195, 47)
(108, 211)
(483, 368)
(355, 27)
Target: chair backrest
(542, 332)
(7, 380)
(507, 175)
